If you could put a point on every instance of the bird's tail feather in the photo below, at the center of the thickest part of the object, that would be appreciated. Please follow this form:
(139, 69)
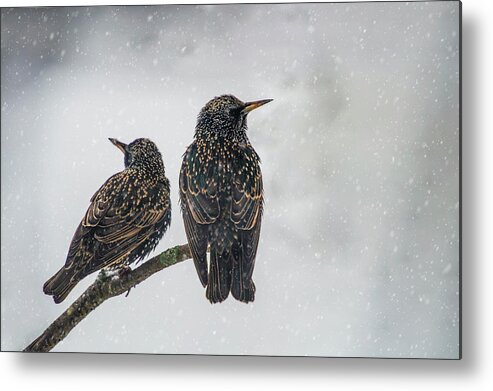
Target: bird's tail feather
(219, 283)
(60, 285)
(242, 286)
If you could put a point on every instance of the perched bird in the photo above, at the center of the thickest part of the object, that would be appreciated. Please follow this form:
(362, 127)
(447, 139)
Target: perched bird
(221, 199)
(127, 218)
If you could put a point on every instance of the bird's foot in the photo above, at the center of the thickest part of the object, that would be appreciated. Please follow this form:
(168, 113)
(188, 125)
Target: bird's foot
(122, 272)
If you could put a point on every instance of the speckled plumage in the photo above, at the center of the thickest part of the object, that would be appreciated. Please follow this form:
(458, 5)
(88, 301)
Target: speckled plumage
(221, 196)
(125, 221)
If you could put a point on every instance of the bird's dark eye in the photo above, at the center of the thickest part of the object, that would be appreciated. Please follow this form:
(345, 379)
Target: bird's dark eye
(235, 111)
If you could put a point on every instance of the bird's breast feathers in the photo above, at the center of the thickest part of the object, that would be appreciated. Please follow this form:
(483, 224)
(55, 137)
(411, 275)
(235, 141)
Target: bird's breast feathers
(223, 177)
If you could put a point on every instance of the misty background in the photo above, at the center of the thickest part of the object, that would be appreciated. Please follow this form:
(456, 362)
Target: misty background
(359, 250)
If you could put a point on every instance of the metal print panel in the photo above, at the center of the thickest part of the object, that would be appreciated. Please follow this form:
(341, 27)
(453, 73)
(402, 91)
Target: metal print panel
(280, 179)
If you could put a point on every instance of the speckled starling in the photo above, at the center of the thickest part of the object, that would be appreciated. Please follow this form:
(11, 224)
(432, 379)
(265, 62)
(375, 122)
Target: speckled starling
(221, 199)
(127, 218)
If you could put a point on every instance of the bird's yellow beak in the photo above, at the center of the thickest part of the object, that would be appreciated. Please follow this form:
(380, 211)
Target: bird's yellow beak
(249, 106)
(121, 146)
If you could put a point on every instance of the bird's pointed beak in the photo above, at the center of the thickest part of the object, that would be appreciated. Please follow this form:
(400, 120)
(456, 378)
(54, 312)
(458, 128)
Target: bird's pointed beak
(121, 146)
(249, 106)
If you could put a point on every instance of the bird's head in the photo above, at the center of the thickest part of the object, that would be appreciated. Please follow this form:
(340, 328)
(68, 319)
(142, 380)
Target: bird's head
(225, 116)
(141, 152)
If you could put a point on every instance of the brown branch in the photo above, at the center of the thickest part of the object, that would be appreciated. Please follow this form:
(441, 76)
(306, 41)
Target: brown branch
(101, 290)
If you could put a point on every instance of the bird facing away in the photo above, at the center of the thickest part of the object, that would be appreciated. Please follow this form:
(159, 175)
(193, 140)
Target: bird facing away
(127, 218)
(221, 199)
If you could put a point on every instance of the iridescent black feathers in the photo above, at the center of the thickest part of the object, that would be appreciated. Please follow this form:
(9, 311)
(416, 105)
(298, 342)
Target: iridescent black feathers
(221, 199)
(127, 218)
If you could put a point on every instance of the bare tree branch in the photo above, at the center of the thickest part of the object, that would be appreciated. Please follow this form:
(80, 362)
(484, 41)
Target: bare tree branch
(101, 290)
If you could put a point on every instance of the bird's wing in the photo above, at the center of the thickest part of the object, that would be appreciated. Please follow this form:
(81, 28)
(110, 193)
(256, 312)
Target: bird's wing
(246, 211)
(118, 222)
(199, 203)
(199, 186)
(247, 190)
(82, 239)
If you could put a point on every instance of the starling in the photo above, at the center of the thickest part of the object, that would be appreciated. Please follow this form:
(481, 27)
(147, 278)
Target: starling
(127, 218)
(221, 199)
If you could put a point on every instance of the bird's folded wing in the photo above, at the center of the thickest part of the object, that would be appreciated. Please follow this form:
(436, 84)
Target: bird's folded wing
(246, 208)
(200, 205)
(198, 187)
(247, 193)
(102, 200)
(132, 217)
(119, 223)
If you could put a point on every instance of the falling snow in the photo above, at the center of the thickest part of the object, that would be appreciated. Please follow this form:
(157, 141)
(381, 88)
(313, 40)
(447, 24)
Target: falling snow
(359, 252)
